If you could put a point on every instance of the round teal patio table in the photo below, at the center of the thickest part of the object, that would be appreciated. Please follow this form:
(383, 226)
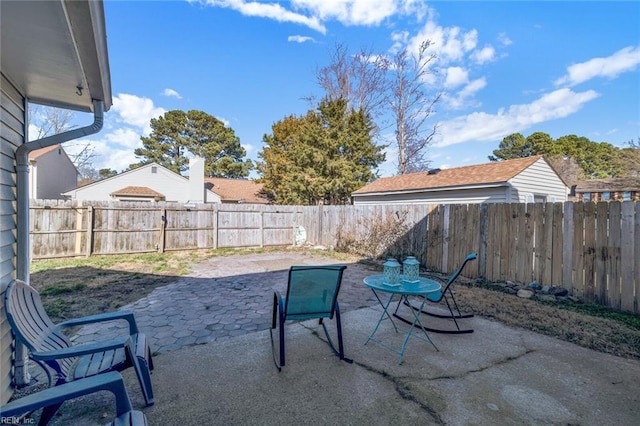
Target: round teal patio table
(404, 289)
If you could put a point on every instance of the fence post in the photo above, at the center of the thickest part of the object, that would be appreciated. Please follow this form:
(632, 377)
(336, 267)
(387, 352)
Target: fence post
(90, 220)
(482, 249)
(215, 228)
(261, 228)
(163, 229)
(445, 239)
(567, 246)
(79, 216)
(320, 216)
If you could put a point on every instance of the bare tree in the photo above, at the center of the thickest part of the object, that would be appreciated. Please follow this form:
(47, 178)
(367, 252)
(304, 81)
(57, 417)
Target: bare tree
(411, 107)
(47, 121)
(358, 78)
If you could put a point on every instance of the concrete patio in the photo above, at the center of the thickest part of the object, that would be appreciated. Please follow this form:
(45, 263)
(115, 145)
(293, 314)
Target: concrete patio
(497, 375)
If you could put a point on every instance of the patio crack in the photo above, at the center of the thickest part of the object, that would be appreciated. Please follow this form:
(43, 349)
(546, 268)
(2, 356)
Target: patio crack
(502, 361)
(404, 391)
(400, 385)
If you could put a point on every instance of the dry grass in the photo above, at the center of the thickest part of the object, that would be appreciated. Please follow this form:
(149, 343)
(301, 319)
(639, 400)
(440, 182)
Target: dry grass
(589, 326)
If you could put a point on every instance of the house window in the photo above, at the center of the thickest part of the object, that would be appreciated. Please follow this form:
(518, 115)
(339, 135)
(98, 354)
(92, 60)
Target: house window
(626, 196)
(538, 198)
(606, 196)
(154, 169)
(586, 196)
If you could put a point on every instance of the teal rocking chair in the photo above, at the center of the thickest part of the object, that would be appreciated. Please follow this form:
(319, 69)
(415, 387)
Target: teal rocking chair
(447, 295)
(312, 292)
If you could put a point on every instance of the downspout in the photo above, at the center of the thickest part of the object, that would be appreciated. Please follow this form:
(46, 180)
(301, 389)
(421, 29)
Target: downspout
(23, 254)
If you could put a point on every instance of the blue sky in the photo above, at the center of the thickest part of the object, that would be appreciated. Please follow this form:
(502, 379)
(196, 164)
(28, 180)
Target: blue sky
(504, 67)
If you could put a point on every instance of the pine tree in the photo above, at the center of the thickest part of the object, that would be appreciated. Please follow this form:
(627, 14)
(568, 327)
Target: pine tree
(177, 134)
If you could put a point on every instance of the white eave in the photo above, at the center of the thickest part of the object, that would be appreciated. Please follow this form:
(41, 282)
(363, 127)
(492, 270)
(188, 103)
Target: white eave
(52, 48)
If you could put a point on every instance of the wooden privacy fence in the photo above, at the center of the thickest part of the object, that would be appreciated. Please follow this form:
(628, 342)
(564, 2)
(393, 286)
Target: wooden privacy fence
(60, 229)
(592, 249)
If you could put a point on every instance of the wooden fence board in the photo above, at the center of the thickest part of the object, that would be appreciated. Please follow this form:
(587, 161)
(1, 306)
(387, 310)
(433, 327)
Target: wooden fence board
(574, 273)
(528, 245)
(568, 231)
(589, 251)
(556, 250)
(627, 257)
(613, 260)
(602, 218)
(537, 213)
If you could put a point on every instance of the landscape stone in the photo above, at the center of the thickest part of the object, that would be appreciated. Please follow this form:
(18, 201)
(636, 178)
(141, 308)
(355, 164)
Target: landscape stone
(525, 294)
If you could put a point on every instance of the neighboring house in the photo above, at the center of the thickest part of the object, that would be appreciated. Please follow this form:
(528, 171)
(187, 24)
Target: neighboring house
(53, 53)
(614, 189)
(51, 172)
(529, 179)
(236, 191)
(153, 182)
(149, 183)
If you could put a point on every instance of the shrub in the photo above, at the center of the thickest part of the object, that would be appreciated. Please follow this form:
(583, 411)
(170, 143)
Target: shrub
(377, 236)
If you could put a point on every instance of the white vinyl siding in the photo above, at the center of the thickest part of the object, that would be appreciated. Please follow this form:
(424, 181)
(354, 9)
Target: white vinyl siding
(538, 179)
(495, 194)
(174, 187)
(51, 174)
(11, 137)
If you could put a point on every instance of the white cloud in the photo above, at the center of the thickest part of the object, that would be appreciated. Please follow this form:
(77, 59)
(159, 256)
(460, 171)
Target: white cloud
(136, 111)
(300, 39)
(268, 10)
(312, 13)
(484, 55)
(224, 121)
(450, 44)
(124, 138)
(248, 148)
(170, 93)
(352, 12)
(481, 126)
(455, 76)
(461, 99)
(623, 60)
(504, 40)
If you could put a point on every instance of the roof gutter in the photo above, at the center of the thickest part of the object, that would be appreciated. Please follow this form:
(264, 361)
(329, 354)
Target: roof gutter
(22, 182)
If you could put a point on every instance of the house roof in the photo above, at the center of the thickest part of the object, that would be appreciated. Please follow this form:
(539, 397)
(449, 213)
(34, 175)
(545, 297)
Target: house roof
(137, 191)
(481, 174)
(236, 190)
(55, 52)
(612, 184)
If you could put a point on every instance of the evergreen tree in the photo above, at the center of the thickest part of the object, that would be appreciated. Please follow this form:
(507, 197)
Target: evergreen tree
(321, 157)
(177, 134)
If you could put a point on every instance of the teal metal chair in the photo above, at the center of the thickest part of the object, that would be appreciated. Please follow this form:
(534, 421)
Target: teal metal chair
(447, 295)
(50, 348)
(14, 411)
(312, 292)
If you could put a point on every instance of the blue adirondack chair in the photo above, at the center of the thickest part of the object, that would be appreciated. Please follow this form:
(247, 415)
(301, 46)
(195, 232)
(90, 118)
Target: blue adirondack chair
(312, 292)
(50, 348)
(13, 412)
